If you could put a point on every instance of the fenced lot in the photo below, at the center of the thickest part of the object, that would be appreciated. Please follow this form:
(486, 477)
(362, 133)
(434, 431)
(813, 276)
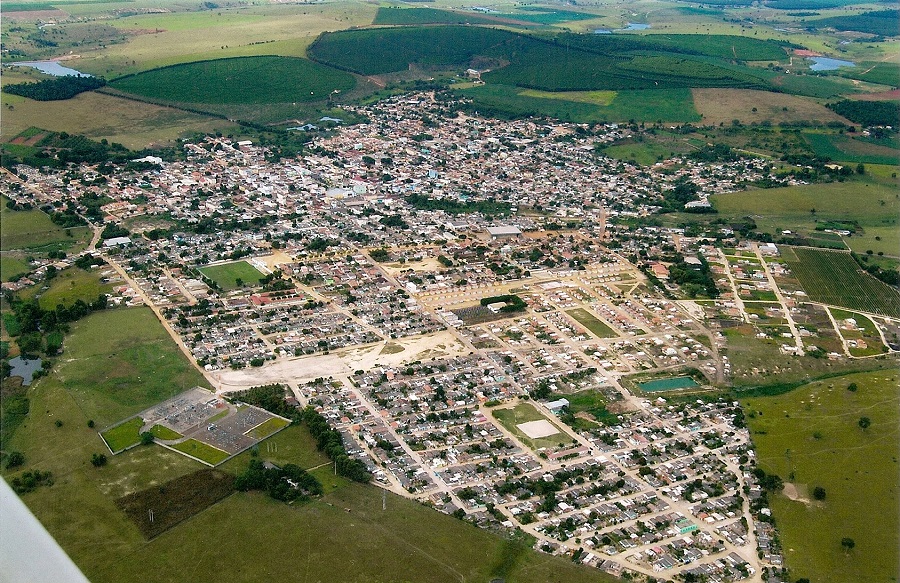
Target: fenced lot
(832, 277)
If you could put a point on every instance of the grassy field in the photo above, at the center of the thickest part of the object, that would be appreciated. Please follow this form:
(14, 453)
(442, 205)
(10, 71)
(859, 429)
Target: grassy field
(70, 285)
(242, 80)
(870, 202)
(594, 97)
(812, 434)
(12, 266)
(747, 105)
(33, 229)
(523, 413)
(123, 435)
(268, 427)
(162, 432)
(133, 124)
(119, 362)
(832, 277)
(843, 148)
(202, 451)
(589, 321)
(593, 403)
(227, 274)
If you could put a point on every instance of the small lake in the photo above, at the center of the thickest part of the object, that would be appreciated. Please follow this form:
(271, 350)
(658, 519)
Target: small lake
(24, 368)
(670, 384)
(631, 26)
(827, 64)
(51, 68)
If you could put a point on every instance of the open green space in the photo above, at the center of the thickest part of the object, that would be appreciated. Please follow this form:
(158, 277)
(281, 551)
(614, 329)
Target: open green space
(244, 80)
(589, 321)
(123, 435)
(12, 267)
(33, 229)
(834, 278)
(870, 202)
(668, 384)
(811, 437)
(119, 362)
(843, 148)
(511, 417)
(292, 445)
(268, 427)
(202, 451)
(227, 275)
(162, 432)
(67, 287)
(591, 402)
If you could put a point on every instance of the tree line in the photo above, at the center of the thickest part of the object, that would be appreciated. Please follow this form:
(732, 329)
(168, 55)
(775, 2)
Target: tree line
(57, 89)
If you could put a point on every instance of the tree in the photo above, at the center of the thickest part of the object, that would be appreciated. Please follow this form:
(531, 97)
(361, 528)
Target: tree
(147, 438)
(819, 493)
(848, 543)
(15, 459)
(852, 387)
(98, 460)
(864, 422)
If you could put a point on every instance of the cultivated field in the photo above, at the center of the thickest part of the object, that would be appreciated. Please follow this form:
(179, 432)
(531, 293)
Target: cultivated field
(227, 274)
(243, 80)
(832, 277)
(810, 437)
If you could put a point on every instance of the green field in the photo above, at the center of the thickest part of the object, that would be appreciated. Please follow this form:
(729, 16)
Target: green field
(66, 288)
(124, 435)
(268, 427)
(162, 432)
(589, 321)
(812, 433)
(227, 274)
(119, 362)
(33, 230)
(504, 101)
(202, 451)
(523, 413)
(592, 403)
(833, 278)
(11, 267)
(843, 148)
(869, 202)
(245, 80)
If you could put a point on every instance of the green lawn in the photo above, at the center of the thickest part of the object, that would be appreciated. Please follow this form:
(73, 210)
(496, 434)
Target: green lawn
(268, 427)
(124, 435)
(201, 451)
(523, 413)
(227, 274)
(589, 321)
(813, 433)
(161, 432)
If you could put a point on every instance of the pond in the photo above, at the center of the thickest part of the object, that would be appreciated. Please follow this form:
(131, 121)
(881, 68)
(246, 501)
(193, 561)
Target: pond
(52, 68)
(828, 64)
(630, 26)
(669, 384)
(24, 368)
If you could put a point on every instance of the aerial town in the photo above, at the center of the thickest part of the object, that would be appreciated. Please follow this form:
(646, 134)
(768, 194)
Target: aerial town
(474, 305)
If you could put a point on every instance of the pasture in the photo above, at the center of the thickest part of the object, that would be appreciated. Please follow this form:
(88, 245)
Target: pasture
(810, 437)
(226, 275)
(833, 278)
(33, 230)
(592, 323)
(99, 116)
(70, 285)
(843, 148)
(871, 202)
(12, 266)
(240, 80)
(747, 105)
